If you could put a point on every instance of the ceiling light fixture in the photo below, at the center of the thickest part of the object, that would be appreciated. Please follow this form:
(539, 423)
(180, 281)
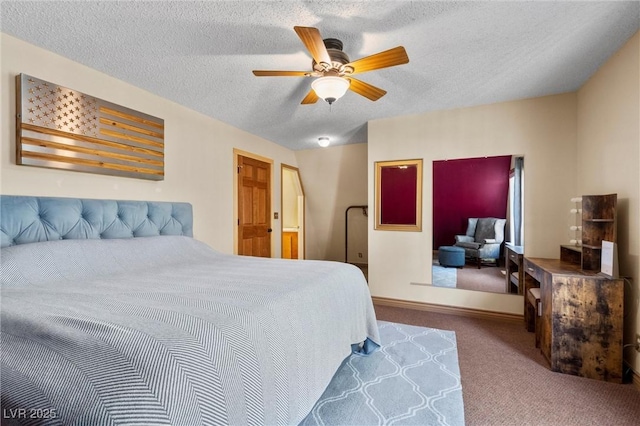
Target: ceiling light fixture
(323, 141)
(330, 88)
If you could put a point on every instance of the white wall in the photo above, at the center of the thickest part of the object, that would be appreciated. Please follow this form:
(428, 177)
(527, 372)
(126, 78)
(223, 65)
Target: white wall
(541, 129)
(198, 149)
(289, 212)
(335, 178)
(608, 159)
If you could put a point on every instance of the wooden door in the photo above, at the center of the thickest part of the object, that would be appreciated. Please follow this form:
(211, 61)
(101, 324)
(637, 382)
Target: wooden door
(254, 207)
(290, 245)
(292, 210)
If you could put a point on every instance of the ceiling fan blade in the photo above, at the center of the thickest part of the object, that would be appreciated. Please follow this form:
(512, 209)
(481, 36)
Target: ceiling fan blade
(388, 58)
(261, 73)
(311, 98)
(315, 45)
(365, 89)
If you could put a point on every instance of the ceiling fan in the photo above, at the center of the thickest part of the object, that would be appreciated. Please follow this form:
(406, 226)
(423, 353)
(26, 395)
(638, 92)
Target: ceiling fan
(335, 70)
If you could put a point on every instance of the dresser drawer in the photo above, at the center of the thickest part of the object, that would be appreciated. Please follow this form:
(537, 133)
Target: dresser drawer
(532, 269)
(512, 256)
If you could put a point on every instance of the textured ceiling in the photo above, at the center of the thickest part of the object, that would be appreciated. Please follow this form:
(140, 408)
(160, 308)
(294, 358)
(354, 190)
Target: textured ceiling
(201, 54)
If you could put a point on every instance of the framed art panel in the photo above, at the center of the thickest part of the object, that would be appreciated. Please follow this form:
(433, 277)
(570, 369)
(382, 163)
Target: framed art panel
(62, 128)
(398, 195)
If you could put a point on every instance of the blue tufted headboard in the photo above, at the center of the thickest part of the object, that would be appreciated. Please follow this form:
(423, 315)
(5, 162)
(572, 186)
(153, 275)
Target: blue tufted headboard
(25, 219)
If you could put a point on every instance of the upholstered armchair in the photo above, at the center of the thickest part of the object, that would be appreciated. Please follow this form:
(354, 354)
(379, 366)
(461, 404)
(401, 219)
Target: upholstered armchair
(483, 239)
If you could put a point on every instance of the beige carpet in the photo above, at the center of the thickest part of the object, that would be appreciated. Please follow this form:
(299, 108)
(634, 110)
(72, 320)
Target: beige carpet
(506, 381)
(487, 278)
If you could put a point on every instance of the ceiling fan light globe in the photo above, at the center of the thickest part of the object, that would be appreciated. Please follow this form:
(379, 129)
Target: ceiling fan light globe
(330, 88)
(323, 141)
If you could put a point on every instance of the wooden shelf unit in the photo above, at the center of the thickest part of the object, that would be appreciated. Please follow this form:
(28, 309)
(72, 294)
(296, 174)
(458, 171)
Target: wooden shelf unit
(579, 319)
(598, 224)
(571, 254)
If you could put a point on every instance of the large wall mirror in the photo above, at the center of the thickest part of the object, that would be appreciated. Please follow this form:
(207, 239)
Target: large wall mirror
(478, 207)
(398, 195)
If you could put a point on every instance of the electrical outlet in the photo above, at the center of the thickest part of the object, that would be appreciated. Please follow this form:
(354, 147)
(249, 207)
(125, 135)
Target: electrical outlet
(360, 255)
(638, 342)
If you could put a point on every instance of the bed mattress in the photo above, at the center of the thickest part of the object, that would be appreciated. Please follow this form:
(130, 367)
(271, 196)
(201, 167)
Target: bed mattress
(166, 330)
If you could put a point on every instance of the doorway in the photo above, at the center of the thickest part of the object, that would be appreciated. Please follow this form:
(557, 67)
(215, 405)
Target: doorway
(253, 204)
(292, 208)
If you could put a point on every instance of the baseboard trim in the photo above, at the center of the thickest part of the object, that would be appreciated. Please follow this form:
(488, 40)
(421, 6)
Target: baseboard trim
(445, 309)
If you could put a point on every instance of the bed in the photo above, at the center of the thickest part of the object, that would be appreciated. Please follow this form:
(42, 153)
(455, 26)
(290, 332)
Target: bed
(112, 313)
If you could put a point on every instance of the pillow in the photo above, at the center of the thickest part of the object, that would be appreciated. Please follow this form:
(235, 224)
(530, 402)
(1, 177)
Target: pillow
(485, 229)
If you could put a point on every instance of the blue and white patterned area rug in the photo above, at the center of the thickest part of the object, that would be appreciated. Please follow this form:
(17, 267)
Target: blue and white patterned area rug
(444, 277)
(412, 379)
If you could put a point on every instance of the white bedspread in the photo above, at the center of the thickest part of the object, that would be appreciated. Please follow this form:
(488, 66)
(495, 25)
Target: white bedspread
(165, 330)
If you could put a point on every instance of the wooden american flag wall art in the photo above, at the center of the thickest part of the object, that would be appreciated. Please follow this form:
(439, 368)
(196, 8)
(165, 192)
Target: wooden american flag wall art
(61, 128)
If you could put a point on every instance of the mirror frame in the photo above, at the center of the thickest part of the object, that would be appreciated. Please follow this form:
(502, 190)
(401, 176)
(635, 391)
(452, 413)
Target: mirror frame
(411, 205)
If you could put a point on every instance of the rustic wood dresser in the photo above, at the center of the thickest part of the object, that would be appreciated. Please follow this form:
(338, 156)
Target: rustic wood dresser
(579, 319)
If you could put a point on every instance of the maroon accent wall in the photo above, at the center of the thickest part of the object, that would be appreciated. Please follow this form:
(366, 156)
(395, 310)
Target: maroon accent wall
(398, 195)
(471, 187)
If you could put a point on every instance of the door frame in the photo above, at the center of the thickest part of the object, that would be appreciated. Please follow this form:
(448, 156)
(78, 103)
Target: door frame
(237, 153)
(302, 240)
